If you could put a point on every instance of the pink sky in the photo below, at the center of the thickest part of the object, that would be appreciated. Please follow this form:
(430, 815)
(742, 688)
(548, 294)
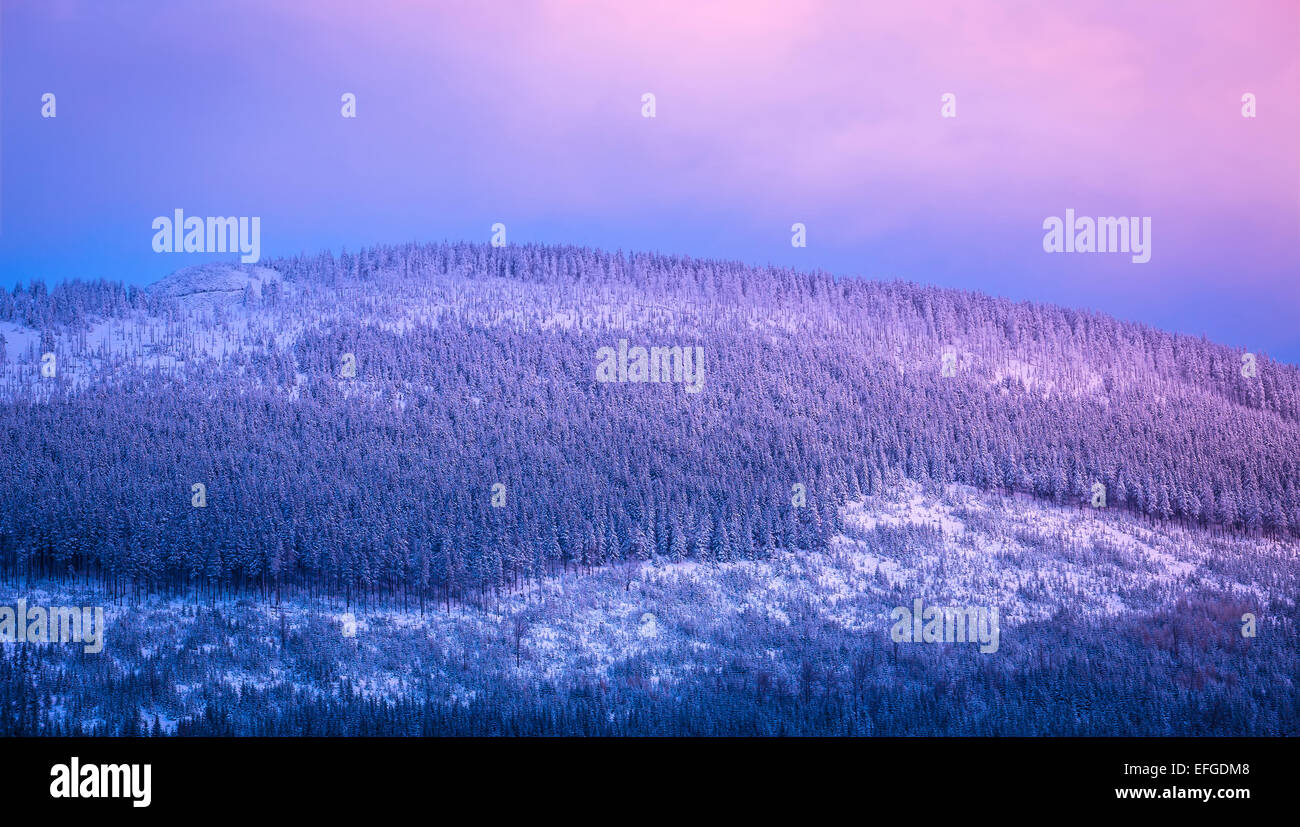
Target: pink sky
(768, 113)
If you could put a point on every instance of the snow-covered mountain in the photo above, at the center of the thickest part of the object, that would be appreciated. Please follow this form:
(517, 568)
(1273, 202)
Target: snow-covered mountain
(462, 430)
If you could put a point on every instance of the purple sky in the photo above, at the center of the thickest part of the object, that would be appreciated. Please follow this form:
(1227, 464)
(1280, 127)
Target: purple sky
(767, 114)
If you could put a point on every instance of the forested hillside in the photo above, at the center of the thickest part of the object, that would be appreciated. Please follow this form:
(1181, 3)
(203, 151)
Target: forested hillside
(476, 366)
(1108, 627)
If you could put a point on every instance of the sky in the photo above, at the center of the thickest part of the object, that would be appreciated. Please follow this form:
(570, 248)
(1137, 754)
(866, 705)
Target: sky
(766, 114)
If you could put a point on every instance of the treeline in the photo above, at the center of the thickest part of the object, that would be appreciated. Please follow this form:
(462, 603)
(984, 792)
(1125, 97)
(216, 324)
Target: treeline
(75, 303)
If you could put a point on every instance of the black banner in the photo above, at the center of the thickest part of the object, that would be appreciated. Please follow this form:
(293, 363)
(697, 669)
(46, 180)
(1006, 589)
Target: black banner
(257, 777)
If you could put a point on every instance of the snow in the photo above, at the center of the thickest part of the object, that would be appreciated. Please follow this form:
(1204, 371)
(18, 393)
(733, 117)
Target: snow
(205, 285)
(664, 621)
